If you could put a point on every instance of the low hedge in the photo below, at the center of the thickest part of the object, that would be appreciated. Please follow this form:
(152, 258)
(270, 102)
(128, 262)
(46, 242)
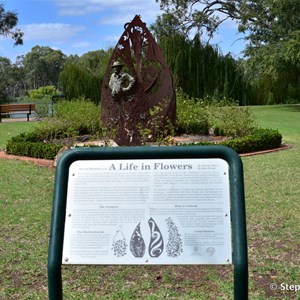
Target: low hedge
(261, 139)
(29, 144)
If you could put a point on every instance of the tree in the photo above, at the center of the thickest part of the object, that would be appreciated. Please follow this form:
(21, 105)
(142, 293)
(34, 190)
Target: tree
(43, 66)
(79, 82)
(200, 70)
(5, 65)
(8, 22)
(262, 20)
(271, 29)
(166, 25)
(82, 76)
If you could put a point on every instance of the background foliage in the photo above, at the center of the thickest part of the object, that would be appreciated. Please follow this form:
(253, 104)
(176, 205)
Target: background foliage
(269, 72)
(271, 64)
(79, 120)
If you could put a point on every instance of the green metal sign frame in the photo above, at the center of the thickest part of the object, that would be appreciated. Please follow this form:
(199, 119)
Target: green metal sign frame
(238, 222)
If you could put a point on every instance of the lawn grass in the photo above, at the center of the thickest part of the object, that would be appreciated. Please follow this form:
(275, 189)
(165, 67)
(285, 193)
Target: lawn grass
(9, 129)
(272, 202)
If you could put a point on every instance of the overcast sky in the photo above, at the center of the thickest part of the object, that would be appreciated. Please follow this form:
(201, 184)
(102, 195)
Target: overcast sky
(79, 26)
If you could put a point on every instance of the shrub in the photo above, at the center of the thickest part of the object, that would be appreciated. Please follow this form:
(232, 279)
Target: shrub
(33, 149)
(31, 144)
(191, 117)
(196, 116)
(72, 118)
(81, 114)
(42, 92)
(233, 121)
(261, 139)
(82, 117)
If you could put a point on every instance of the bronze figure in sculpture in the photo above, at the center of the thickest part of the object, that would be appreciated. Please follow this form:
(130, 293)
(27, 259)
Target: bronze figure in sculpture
(138, 88)
(119, 83)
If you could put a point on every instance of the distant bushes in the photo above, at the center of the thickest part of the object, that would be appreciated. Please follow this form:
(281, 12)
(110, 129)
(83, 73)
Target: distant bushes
(43, 91)
(223, 116)
(72, 119)
(80, 118)
(192, 117)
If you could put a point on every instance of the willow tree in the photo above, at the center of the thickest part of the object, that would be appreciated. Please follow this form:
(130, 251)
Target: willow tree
(79, 82)
(201, 69)
(270, 27)
(83, 75)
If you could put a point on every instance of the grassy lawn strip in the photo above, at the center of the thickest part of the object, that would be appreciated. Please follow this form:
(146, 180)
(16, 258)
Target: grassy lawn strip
(272, 202)
(7, 130)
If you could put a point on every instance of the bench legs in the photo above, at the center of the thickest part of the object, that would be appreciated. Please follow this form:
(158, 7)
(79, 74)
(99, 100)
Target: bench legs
(27, 117)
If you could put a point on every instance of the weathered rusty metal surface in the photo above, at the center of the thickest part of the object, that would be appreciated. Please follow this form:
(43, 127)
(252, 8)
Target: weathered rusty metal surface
(149, 97)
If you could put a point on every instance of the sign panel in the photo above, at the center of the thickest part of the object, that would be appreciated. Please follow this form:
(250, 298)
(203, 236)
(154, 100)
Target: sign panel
(148, 211)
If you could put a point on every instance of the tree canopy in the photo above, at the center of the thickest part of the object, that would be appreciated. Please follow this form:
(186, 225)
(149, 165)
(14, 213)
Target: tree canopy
(8, 22)
(262, 21)
(83, 76)
(271, 27)
(43, 65)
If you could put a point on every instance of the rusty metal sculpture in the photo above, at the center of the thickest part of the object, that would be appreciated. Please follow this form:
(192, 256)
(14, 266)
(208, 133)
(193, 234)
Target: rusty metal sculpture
(138, 98)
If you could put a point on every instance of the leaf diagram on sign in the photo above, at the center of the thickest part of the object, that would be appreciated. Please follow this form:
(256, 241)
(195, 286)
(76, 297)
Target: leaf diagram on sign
(119, 245)
(137, 243)
(156, 247)
(174, 244)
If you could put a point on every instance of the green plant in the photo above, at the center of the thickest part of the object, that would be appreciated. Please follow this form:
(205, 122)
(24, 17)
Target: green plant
(80, 114)
(42, 91)
(158, 128)
(33, 149)
(73, 118)
(231, 121)
(31, 144)
(196, 116)
(260, 139)
(42, 109)
(192, 118)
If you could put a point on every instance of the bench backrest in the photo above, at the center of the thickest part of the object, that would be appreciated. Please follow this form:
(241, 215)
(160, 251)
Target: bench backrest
(6, 108)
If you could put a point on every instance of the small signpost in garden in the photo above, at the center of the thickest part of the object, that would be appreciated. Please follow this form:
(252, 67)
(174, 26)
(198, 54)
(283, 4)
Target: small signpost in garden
(149, 205)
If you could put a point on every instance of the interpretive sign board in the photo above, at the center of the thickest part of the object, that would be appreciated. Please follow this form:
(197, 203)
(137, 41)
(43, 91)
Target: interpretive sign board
(159, 211)
(149, 205)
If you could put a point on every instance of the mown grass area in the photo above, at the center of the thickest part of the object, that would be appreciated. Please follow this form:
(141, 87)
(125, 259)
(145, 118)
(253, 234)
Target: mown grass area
(272, 203)
(9, 129)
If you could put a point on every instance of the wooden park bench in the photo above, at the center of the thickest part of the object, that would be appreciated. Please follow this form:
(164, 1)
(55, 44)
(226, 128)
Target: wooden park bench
(20, 108)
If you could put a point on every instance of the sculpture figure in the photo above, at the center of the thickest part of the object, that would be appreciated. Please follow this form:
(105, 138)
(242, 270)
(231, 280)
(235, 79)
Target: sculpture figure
(119, 83)
(140, 89)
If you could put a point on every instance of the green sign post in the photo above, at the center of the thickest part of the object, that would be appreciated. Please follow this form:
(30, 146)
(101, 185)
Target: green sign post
(100, 190)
